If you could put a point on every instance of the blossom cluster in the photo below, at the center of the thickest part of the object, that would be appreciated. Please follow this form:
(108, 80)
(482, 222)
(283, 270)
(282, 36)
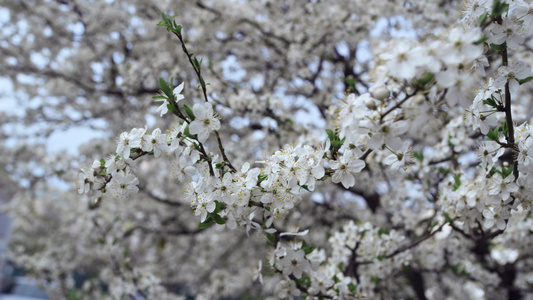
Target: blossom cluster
(422, 180)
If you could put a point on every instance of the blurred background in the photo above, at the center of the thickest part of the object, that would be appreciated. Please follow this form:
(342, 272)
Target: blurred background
(74, 74)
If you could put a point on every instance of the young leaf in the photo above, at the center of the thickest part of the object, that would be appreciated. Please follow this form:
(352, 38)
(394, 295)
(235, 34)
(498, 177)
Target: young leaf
(490, 101)
(308, 249)
(507, 171)
(331, 135)
(217, 207)
(189, 112)
(499, 8)
(482, 21)
(522, 81)
(304, 281)
(456, 183)
(353, 288)
(447, 217)
(271, 238)
(165, 18)
(165, 88)
(172, 109)
(382, 231)
(208, 221)
(498, 48)
(188, 134)
(505, 128)
(426, 79)
(494, 134)
(419, 155)
(219, 219)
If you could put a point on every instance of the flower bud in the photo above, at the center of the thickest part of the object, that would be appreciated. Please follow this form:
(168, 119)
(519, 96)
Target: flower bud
(381, 92)
(370, 104)
(418, 99)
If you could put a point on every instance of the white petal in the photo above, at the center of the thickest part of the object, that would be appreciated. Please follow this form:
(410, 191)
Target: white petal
(347, 180)
(210, 206)
(195, 127)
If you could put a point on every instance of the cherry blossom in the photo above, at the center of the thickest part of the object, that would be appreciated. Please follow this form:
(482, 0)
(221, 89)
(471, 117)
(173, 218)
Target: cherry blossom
(205, 121)
(374, 156)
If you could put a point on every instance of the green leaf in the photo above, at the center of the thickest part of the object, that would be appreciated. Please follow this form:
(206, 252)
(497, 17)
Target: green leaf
(72, 294)
(459, 270)
(447, 217)
(208, 222)
(169, 23)
(335, 278)
(202, 82)
(197, 63)
(187, 133)
(165, 18)
(342, 141)
(490, 101)
(304, 281)
(507, 171)
(271, 238)
(450, 143)
(350, 83)
(419, 155)
(219, 219)
(522, 81)
(505, 128)
(178, 28)
(482, 20)
(456, 183)
(498, 48)
(331, 135)
(426, 79)
(189, 112)
(353, 288)
(172, 109)
(383, 231)
(307, 249)
(494, 171)
(494, 134)
(262, 177)
(499, 8)
(165, 88)
(217, 207)
(376, 280)
(481, 40)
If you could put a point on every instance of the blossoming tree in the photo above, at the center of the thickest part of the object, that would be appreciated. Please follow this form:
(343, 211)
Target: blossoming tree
(277, 149)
